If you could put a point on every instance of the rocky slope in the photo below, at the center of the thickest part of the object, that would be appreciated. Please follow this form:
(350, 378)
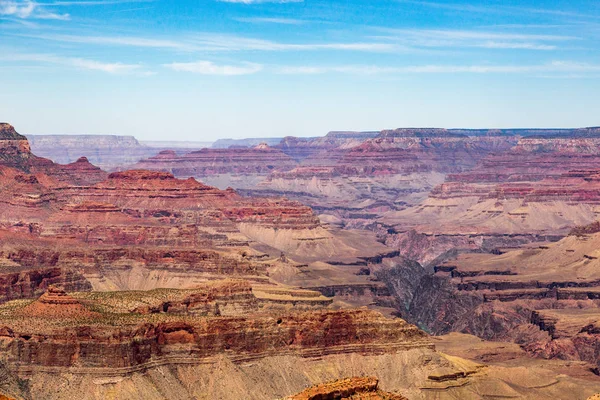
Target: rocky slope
(350, 176)
(15, 152)
(218, 341)
(545, 297)
(538, 190)
(119, 285)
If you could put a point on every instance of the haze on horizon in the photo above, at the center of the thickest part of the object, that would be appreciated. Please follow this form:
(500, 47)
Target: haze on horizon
(204, 70)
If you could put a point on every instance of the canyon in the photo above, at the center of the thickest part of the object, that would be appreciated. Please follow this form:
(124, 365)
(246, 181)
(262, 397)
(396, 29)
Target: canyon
(414, 263)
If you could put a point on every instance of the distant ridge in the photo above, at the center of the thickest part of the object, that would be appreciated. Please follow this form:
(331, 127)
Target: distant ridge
(249, 142)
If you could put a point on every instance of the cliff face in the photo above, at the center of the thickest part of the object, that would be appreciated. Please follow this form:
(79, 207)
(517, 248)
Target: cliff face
(91, 331)
(119, 285)
(545, 298)
(15, 152)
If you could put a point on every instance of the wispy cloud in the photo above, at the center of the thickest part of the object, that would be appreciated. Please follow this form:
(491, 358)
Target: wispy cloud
(40, 10)
(445, 38)
(266, 20)
(204, 42)
(117, 40)
(515, 45)
(260, 1)
(210, 68)
(495, 9)
(553, 67)
(28, 9)
(80, 63)
(472, 34)
(92, 2)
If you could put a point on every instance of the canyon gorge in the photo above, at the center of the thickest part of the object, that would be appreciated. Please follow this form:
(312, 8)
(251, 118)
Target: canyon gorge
(414, 263)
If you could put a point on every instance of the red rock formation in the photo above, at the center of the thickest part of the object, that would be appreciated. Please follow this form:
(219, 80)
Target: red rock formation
(222, 298)
(546, 298)
(347, 389)
(56, 303)
(260, 159)
(15, 152)
(194, 339)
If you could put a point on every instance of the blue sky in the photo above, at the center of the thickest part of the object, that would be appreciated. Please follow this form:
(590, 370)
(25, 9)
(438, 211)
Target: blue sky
(205, 69)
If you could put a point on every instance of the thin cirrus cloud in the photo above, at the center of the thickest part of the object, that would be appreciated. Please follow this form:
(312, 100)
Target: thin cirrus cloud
(553, 67)
(210, 68)
(509, 45)
(445, 38)
(76, 62)
(217, 43)
(260, 1)
(270, 20)
(495, 9)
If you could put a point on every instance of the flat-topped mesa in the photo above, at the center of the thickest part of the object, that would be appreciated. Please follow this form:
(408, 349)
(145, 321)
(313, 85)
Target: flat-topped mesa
(146, 180)
(418, 152)
(359, 388)
(320, 150)
(115, 341)
(517, 132)
(419, 132)
(260, 159)
(588, 143)
(248, 142)
(277, 213)
(352, 134)
(141, 174)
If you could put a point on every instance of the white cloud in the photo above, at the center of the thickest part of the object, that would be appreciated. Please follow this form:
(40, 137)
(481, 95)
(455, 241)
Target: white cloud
(447, 38)
(81, 63)
(260, 1)
(28, 9)
(516, 45)
(118, 40)
(210, 68)
(17, 9)
(496, 9)
(553, 67)
(267, 20)
(204, 42)
(469, 34)
(111, 68)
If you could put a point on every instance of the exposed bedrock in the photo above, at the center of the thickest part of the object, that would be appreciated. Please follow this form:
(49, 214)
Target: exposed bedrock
(15, 152)
(26, 283)
(363, 388)
(191, 341)
(545, 297)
